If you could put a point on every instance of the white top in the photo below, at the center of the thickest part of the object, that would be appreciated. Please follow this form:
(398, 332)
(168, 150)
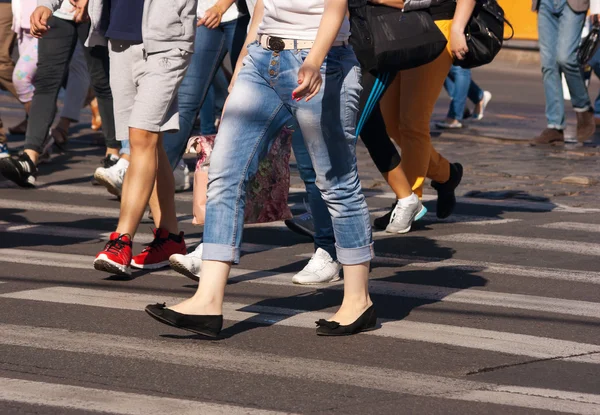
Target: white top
(66, 11)
(296, 19)
(231, 14)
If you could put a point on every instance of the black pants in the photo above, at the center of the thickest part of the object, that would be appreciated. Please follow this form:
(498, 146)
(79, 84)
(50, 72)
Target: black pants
(371, 126)
(55, 50)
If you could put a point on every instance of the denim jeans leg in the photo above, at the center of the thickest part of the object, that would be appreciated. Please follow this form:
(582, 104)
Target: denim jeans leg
(548, 34)
(324, 237)
(328, 125)
(570, 25)
(209, 51)
(475, 92)
(595, 65)
(254, 117)
(125, 148)
(462, 80)
(207, 113)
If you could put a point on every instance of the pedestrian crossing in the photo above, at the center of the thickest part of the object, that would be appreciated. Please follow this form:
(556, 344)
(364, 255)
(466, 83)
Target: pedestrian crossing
(455, 342)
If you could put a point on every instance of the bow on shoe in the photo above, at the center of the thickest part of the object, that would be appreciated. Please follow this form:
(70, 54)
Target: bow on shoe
(326, 323)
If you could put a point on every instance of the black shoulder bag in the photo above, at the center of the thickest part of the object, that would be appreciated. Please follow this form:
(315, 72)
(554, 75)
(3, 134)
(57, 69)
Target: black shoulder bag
(387, 39)
(485, 34)
(589, 45)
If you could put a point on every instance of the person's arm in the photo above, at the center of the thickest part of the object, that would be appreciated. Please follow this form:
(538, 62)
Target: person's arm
(309, 76)
(398, 4)
(458, 42)
(257, 16)
(212, 17)
(39, 18)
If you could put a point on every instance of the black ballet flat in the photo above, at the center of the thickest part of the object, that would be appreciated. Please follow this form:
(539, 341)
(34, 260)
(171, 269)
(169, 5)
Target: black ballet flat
(366, 322)
(209, 326)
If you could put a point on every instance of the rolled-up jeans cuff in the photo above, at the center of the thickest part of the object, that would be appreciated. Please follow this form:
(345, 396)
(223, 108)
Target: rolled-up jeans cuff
(584, 109)
(220, 252)
(556, 127)
(354, 256)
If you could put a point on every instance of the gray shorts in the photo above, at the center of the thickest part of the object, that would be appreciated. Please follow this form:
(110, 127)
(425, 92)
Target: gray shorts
(144, 87)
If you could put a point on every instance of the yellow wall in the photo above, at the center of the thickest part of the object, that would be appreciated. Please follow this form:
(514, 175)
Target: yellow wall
(519, 13)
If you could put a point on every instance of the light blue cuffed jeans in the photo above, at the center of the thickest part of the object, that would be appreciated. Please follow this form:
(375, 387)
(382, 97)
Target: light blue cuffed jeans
(260, 105)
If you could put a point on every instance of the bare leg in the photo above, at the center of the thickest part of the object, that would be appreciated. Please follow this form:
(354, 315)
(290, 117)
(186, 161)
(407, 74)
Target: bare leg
(356, 294)
(162, 200)
(208, 299)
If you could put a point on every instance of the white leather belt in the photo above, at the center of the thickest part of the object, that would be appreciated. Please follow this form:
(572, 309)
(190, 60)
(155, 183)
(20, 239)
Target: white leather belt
(278, 44)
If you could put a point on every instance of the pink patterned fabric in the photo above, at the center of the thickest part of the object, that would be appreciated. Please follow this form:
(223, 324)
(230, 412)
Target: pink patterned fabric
(266, 192)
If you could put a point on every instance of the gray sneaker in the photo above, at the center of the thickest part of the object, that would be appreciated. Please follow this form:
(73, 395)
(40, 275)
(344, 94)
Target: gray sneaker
(302, 224)
(405, 214)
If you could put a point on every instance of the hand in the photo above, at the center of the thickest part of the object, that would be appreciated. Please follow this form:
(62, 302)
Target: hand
(80, 7)
(309, 80)
(212, 18)
(38, 21)
(458, 44)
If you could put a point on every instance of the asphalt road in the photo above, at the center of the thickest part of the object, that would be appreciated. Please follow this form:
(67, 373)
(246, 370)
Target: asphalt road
(496, 310)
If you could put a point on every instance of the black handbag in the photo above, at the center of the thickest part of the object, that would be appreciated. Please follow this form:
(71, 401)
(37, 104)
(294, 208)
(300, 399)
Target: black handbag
(589, 45)
(485, 34)
(387, 39)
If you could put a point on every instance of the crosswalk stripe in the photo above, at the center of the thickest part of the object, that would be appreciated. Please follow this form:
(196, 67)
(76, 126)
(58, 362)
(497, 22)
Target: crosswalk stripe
(85, 233)
(505, 203)
(263, 364)
(572, 247)
(102, 400)
(425, 292)
(572, 226)
(495, 341)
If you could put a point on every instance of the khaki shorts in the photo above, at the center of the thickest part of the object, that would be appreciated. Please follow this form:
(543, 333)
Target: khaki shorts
(144, 87)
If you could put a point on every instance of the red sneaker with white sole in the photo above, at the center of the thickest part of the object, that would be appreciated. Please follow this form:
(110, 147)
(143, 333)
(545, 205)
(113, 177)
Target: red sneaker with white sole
(116, 256)
(156, 254)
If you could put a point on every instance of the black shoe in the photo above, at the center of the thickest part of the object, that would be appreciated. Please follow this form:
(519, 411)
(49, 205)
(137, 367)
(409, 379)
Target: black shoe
(21, 170)
(209, 326)
(366, 322)
(382, 222)
(446, 200)
(302, 224)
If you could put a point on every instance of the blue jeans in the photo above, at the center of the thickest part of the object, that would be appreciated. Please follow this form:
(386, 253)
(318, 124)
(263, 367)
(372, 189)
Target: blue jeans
(210, 49)
(559, 29)
(459, 86)
(215, 98)
(259, 106)
(324, 238)
(595, 65)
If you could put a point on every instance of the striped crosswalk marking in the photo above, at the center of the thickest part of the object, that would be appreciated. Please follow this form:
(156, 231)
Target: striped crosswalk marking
(572, 226)
(426, 292)
(107, 401)
(502, 342)
(263, 364)
(581, 248)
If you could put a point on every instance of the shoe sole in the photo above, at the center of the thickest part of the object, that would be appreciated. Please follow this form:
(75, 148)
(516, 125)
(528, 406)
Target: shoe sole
(418, 216)
(180, 268)
(348, 334)
(158, 265)
(334, 279)
(106, 182)
(10, 172)
(168, 323)
(292, 226)
(106, 265)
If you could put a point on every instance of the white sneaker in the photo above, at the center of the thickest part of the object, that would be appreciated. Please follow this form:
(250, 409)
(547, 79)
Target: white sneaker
(407, 211)
(487, 97)
(112, 177)
(320, 269)
(189, 265)
(182, 177)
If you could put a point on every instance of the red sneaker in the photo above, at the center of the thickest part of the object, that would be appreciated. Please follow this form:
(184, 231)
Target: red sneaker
(116, 256)
(156, 254)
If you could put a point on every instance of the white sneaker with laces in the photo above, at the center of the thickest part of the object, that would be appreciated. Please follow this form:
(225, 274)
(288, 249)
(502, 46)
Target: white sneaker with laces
(407, 211)
(189, 265)
(112, 177)
(181, 174)
(320, 269)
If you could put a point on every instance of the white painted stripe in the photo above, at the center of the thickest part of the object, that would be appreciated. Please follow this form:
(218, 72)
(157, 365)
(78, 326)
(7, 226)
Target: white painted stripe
(102, 400)
(207, 356)
(434, 293)
(507, 203)
(573, 226)
(495, 341)
(571, 247)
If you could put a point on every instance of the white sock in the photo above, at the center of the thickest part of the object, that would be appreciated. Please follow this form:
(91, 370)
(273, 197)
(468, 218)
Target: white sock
(409, 200)
(122, 163)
